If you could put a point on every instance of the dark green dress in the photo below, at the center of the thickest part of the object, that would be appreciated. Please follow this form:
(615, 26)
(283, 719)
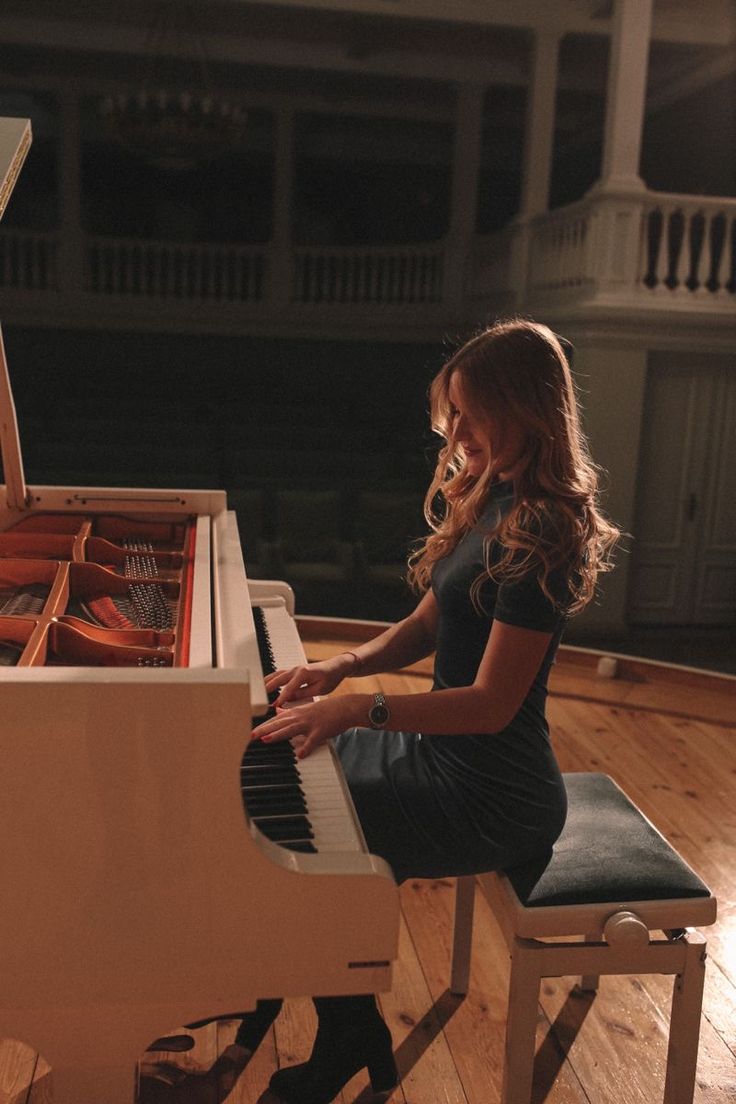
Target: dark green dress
(436, 806)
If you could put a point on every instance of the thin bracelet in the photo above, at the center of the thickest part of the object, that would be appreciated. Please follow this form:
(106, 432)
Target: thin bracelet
(358, 663)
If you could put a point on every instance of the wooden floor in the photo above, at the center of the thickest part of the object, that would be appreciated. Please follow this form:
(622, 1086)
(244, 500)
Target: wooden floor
(669, 738)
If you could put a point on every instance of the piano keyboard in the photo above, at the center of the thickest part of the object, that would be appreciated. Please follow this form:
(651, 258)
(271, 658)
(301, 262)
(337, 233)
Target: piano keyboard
(302, 804)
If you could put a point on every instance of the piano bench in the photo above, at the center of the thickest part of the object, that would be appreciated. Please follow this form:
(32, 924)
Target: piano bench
(612, 880)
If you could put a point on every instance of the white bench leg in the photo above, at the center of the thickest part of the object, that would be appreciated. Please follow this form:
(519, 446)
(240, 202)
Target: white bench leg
(521, 1026)
(589, 982)
(687, 1003)
(462, 937)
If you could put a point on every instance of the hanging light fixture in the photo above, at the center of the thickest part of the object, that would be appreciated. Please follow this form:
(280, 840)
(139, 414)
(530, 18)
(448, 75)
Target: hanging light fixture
(179, 122)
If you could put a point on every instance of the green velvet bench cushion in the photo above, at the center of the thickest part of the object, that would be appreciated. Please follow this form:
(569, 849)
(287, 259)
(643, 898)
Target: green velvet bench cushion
(608, 851)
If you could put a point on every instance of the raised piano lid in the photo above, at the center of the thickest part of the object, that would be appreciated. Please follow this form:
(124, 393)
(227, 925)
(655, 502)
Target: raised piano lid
(15, 141)
(223, 633)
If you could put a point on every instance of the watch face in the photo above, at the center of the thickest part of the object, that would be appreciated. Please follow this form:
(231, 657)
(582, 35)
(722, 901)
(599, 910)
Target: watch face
(378, 715)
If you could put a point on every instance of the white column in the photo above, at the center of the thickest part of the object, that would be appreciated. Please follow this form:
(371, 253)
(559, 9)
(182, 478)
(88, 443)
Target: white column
(71, 243)
(281, 259)
(465, 177)
(627, 80)
(539, 133)
(540, 126)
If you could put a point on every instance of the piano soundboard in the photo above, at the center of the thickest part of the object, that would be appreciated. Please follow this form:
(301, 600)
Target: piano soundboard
(157, 867)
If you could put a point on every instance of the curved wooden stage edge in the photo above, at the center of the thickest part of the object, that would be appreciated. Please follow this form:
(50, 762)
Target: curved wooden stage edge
(667, 735)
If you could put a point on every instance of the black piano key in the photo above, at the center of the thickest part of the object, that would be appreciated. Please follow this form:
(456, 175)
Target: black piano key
(285, 828)
(296, 823)
(256, 749)
(253, 785)
(287, 807)
(265, 798)
(268, 762)
(267, 754)
(270, 755)
(285, 839)
(269, 769)
(264, 644)
(302, 845)
(268, 781)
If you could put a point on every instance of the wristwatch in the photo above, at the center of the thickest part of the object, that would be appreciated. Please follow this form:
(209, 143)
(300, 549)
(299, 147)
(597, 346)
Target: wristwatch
(379, 712)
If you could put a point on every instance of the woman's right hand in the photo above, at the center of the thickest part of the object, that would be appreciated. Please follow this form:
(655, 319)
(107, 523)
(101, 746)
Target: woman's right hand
(309, 681)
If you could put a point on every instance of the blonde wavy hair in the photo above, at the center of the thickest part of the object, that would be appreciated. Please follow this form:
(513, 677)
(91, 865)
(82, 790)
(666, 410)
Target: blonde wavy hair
(516, 373)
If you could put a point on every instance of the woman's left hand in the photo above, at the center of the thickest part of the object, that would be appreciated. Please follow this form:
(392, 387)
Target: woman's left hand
(310, 724)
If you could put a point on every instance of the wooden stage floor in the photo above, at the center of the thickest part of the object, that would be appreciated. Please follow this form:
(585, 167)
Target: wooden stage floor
(668, 736)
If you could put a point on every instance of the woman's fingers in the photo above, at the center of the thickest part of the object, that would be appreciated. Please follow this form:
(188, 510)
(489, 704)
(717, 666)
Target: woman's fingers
(281, 727)
(293, 684)
(307, 746)
(293, 724)
(279, 678)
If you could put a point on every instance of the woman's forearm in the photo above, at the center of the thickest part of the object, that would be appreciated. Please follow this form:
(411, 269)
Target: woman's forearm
(399, 646)
(465, 709)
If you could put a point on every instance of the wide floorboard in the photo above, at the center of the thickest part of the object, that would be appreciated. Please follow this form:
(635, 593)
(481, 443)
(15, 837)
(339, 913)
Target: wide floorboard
(669, 738)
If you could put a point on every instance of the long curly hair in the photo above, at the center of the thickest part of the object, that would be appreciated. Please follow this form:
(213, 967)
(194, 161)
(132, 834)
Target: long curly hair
(516, 373)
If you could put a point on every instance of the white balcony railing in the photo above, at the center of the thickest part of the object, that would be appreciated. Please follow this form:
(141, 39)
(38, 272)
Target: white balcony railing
(688, 246)
(562, 249)
(154, 269)
(659, 248)
(136, 269)
(363, 275)
(639, 249)
(28, 260)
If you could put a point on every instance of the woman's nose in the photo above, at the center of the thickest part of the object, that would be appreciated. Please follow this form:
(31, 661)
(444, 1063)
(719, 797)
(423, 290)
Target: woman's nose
(462, 430)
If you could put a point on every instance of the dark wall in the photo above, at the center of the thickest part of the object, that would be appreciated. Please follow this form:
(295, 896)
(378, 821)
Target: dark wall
(295, 431)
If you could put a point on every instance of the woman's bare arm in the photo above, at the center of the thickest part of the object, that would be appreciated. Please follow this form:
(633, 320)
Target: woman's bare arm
(510, 662)
(400, 645)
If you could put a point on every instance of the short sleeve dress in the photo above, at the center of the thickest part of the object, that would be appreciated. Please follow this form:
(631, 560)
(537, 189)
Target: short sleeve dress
(440, 806)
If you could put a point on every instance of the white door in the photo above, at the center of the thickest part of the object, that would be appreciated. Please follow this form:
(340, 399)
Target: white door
(684, 553)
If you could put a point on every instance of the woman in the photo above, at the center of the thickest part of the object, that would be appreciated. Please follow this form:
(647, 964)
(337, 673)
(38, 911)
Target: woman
(515, 547)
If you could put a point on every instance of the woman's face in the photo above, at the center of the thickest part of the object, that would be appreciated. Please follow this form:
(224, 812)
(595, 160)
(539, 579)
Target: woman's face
(483, 442)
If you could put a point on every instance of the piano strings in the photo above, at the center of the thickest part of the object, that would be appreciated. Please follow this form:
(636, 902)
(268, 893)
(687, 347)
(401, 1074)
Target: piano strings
(10, 653)
(152, 564)
(20, 601)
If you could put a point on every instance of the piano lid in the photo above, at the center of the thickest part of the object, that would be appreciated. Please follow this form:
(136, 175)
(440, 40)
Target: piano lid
(15, 141)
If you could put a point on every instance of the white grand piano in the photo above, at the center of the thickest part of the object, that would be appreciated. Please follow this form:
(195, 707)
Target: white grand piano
(137, 894)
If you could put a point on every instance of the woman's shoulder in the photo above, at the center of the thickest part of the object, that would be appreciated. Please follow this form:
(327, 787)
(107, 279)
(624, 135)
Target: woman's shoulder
(544, 517)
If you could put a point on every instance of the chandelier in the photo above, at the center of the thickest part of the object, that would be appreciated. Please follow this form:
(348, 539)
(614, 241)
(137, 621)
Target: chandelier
(173, 118)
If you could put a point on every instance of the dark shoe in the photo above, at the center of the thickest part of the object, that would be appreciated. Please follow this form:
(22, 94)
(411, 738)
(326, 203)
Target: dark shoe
(341, 1049)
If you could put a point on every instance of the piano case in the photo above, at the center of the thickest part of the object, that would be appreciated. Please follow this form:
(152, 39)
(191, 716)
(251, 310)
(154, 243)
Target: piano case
(138, 895)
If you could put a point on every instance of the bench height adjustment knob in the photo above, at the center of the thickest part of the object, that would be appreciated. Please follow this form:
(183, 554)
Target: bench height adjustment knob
(625, 929)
